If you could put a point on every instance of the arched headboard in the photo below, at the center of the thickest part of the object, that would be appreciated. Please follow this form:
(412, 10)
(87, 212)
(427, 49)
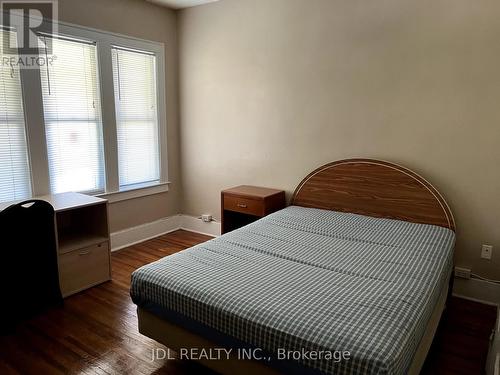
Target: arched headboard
(374, 188)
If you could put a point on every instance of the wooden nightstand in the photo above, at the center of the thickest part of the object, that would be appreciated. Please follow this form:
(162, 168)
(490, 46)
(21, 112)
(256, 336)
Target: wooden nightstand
(244, 204)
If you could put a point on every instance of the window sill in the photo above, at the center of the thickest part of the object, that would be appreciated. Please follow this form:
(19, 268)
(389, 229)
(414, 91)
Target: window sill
(135, 192)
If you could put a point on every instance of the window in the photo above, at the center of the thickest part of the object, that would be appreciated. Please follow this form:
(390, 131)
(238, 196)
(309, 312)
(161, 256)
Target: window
(73, 123)
(90, 118)
(15, 182)
(134, 76)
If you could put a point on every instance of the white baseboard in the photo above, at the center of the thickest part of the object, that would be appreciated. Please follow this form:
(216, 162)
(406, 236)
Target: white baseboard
(194, 224)
(477, 290)
(140, 233)
(144, 232)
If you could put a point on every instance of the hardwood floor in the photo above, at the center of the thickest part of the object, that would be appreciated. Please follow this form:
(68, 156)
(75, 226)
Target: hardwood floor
(96, 330)
(461, 343)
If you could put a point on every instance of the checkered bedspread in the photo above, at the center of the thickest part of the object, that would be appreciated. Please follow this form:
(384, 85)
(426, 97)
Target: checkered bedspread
(312, 279)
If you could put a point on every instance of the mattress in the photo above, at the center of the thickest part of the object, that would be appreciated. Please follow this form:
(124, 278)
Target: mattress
(305, 280)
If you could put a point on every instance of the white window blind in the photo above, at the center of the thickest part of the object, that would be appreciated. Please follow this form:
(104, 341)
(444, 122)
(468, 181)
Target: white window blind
(15, 181)
(134, 75)
(73, 124)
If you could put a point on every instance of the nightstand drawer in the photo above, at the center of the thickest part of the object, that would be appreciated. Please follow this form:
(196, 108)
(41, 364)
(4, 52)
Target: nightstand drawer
(244, 205)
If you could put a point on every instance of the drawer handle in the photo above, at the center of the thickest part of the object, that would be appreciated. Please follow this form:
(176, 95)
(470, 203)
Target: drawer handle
(85, 252)
(242, 205)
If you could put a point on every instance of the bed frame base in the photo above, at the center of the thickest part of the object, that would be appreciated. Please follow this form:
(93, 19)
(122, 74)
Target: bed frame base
(176, 337)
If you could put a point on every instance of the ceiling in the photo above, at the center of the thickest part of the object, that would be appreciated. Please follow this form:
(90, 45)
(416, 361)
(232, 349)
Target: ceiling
(180, 4)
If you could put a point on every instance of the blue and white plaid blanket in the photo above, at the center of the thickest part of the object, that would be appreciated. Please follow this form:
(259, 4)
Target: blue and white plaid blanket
(312, 279)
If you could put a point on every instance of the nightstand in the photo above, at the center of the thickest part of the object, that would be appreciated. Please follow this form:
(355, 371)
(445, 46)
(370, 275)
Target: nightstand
(244, 204)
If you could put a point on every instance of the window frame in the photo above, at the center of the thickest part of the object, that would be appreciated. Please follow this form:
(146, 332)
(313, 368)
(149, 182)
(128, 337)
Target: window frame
(35, 122)
(99, 122)
(136, 185)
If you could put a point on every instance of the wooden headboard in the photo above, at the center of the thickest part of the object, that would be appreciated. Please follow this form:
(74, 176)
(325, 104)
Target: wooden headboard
(374, 188)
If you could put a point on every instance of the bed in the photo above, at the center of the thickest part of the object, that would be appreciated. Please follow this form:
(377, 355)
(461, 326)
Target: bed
(359, 263)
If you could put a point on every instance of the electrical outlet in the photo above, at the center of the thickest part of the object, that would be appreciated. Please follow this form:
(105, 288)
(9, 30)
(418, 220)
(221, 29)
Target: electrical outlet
(206, 218)
(463, 273)
(486, 251)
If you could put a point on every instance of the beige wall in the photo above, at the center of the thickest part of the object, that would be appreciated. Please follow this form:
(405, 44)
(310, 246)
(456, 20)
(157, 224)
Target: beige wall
(142, 20)
(270, 89)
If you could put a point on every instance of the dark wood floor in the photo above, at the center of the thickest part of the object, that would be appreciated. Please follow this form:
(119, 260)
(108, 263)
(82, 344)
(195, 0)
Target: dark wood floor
(96, 330)
(461, 343)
